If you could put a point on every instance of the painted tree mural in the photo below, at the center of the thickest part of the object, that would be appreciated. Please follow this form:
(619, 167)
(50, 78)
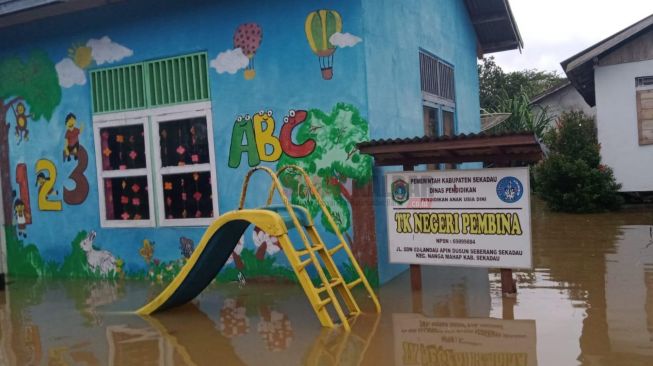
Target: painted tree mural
(34, 82)
(335, 165)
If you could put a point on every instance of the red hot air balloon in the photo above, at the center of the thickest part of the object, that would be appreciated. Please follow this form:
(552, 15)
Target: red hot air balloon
(248, 38)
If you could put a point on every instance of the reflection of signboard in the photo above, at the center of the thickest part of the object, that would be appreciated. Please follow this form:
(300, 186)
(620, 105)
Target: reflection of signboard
(475, 218)
(461, 341)
(141, 346)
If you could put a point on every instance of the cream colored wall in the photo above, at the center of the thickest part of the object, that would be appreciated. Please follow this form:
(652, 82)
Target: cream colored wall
(616, 119)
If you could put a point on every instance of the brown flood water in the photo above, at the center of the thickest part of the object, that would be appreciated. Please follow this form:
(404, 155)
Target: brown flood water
(588, 301)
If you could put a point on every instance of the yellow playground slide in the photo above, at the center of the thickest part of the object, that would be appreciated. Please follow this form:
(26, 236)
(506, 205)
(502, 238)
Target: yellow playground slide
(221, 237)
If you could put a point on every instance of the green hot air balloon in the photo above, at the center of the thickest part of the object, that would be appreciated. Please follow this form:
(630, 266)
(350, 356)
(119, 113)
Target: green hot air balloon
(320, 26)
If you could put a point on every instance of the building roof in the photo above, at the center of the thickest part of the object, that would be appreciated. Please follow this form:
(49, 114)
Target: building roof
(552, 90)
(13, 12)
(481, 147)
(495, 25)
(580, 67)
(493, 20)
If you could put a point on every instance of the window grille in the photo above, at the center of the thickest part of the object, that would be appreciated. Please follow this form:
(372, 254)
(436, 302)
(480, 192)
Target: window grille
(436, 77)
(169, 81)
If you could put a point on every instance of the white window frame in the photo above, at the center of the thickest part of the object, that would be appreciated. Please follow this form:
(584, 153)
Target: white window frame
(102, 174)
(151, 118)
(192, 168)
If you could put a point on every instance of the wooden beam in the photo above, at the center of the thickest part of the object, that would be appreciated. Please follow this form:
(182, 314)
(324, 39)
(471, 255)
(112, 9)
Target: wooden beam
(502, 158)
(463, 143)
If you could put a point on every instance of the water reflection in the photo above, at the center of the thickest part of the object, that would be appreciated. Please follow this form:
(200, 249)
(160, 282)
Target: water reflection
(462, 341)
(590, 294)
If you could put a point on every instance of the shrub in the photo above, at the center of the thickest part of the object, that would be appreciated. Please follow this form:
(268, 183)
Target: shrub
(572, 178)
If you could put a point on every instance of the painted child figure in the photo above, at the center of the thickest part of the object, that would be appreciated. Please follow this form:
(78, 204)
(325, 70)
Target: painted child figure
(40, 181)
(71, 147)
(21, 217)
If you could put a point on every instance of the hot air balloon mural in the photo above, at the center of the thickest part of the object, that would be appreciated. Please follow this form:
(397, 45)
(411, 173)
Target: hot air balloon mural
(320, 26)
(248, 38)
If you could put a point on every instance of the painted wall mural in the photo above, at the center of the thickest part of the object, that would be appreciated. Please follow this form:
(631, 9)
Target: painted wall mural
(335, 163)
(72, 69)
(324, 34)
(32, 82)
(254, 136)
(22, 207)
(247, 39)
(46, 166)
(22, 133)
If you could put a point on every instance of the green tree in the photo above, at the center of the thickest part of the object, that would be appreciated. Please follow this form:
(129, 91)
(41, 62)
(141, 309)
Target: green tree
(333, 164)
(496, 86)
(572, 178)
(35, 82)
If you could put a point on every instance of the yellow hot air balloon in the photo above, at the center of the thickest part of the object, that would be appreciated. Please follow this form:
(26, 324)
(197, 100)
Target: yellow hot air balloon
(320, 26)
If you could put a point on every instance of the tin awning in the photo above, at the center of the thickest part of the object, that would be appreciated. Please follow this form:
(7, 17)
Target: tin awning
(464, 148)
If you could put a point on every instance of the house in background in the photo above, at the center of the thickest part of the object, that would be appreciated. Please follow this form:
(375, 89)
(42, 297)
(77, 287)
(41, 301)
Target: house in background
(134, 122)
(559, 99)
(616, 76)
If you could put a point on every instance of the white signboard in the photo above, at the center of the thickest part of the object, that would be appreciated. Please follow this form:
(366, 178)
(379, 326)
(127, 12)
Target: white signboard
(479, 218)
(469, 342)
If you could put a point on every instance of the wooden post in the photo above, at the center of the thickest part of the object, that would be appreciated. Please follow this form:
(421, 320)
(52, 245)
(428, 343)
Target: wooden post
(508, 308)
(508, 285)
(415, 273)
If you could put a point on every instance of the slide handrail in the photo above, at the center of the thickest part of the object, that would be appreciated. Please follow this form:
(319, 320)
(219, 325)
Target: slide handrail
(332, 223)
(276, 185)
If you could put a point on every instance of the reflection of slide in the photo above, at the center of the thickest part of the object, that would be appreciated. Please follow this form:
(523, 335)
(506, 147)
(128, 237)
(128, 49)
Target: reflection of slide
(195, 338)
(211, 254)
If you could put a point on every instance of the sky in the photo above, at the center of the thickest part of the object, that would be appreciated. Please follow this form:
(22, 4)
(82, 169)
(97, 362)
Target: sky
(555, 30)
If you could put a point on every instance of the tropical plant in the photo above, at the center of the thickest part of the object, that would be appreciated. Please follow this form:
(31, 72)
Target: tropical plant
(572, 178)
(523, 117)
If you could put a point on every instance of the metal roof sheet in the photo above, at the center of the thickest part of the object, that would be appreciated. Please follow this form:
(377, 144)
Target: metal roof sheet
(475, 147)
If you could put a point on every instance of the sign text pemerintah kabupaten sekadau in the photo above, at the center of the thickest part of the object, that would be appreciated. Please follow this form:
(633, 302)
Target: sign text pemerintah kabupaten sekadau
(477, 218)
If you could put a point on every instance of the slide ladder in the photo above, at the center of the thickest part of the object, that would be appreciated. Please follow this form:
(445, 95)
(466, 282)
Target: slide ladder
(331, 287)
(329, 293)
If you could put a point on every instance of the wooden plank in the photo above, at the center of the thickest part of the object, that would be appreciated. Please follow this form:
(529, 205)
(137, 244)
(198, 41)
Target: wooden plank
(647, 103)
(380, 161)
(644, 123)
(645, 114)
(638, 49)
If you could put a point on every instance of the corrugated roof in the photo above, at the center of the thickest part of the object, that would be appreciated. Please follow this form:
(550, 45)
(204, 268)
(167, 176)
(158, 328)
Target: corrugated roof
(475, 147)
(580, 67)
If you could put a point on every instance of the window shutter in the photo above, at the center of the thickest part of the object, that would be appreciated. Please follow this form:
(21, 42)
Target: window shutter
(645, 116)
(118, 89)
(157, 83)
(436, 77)
(177, 80)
